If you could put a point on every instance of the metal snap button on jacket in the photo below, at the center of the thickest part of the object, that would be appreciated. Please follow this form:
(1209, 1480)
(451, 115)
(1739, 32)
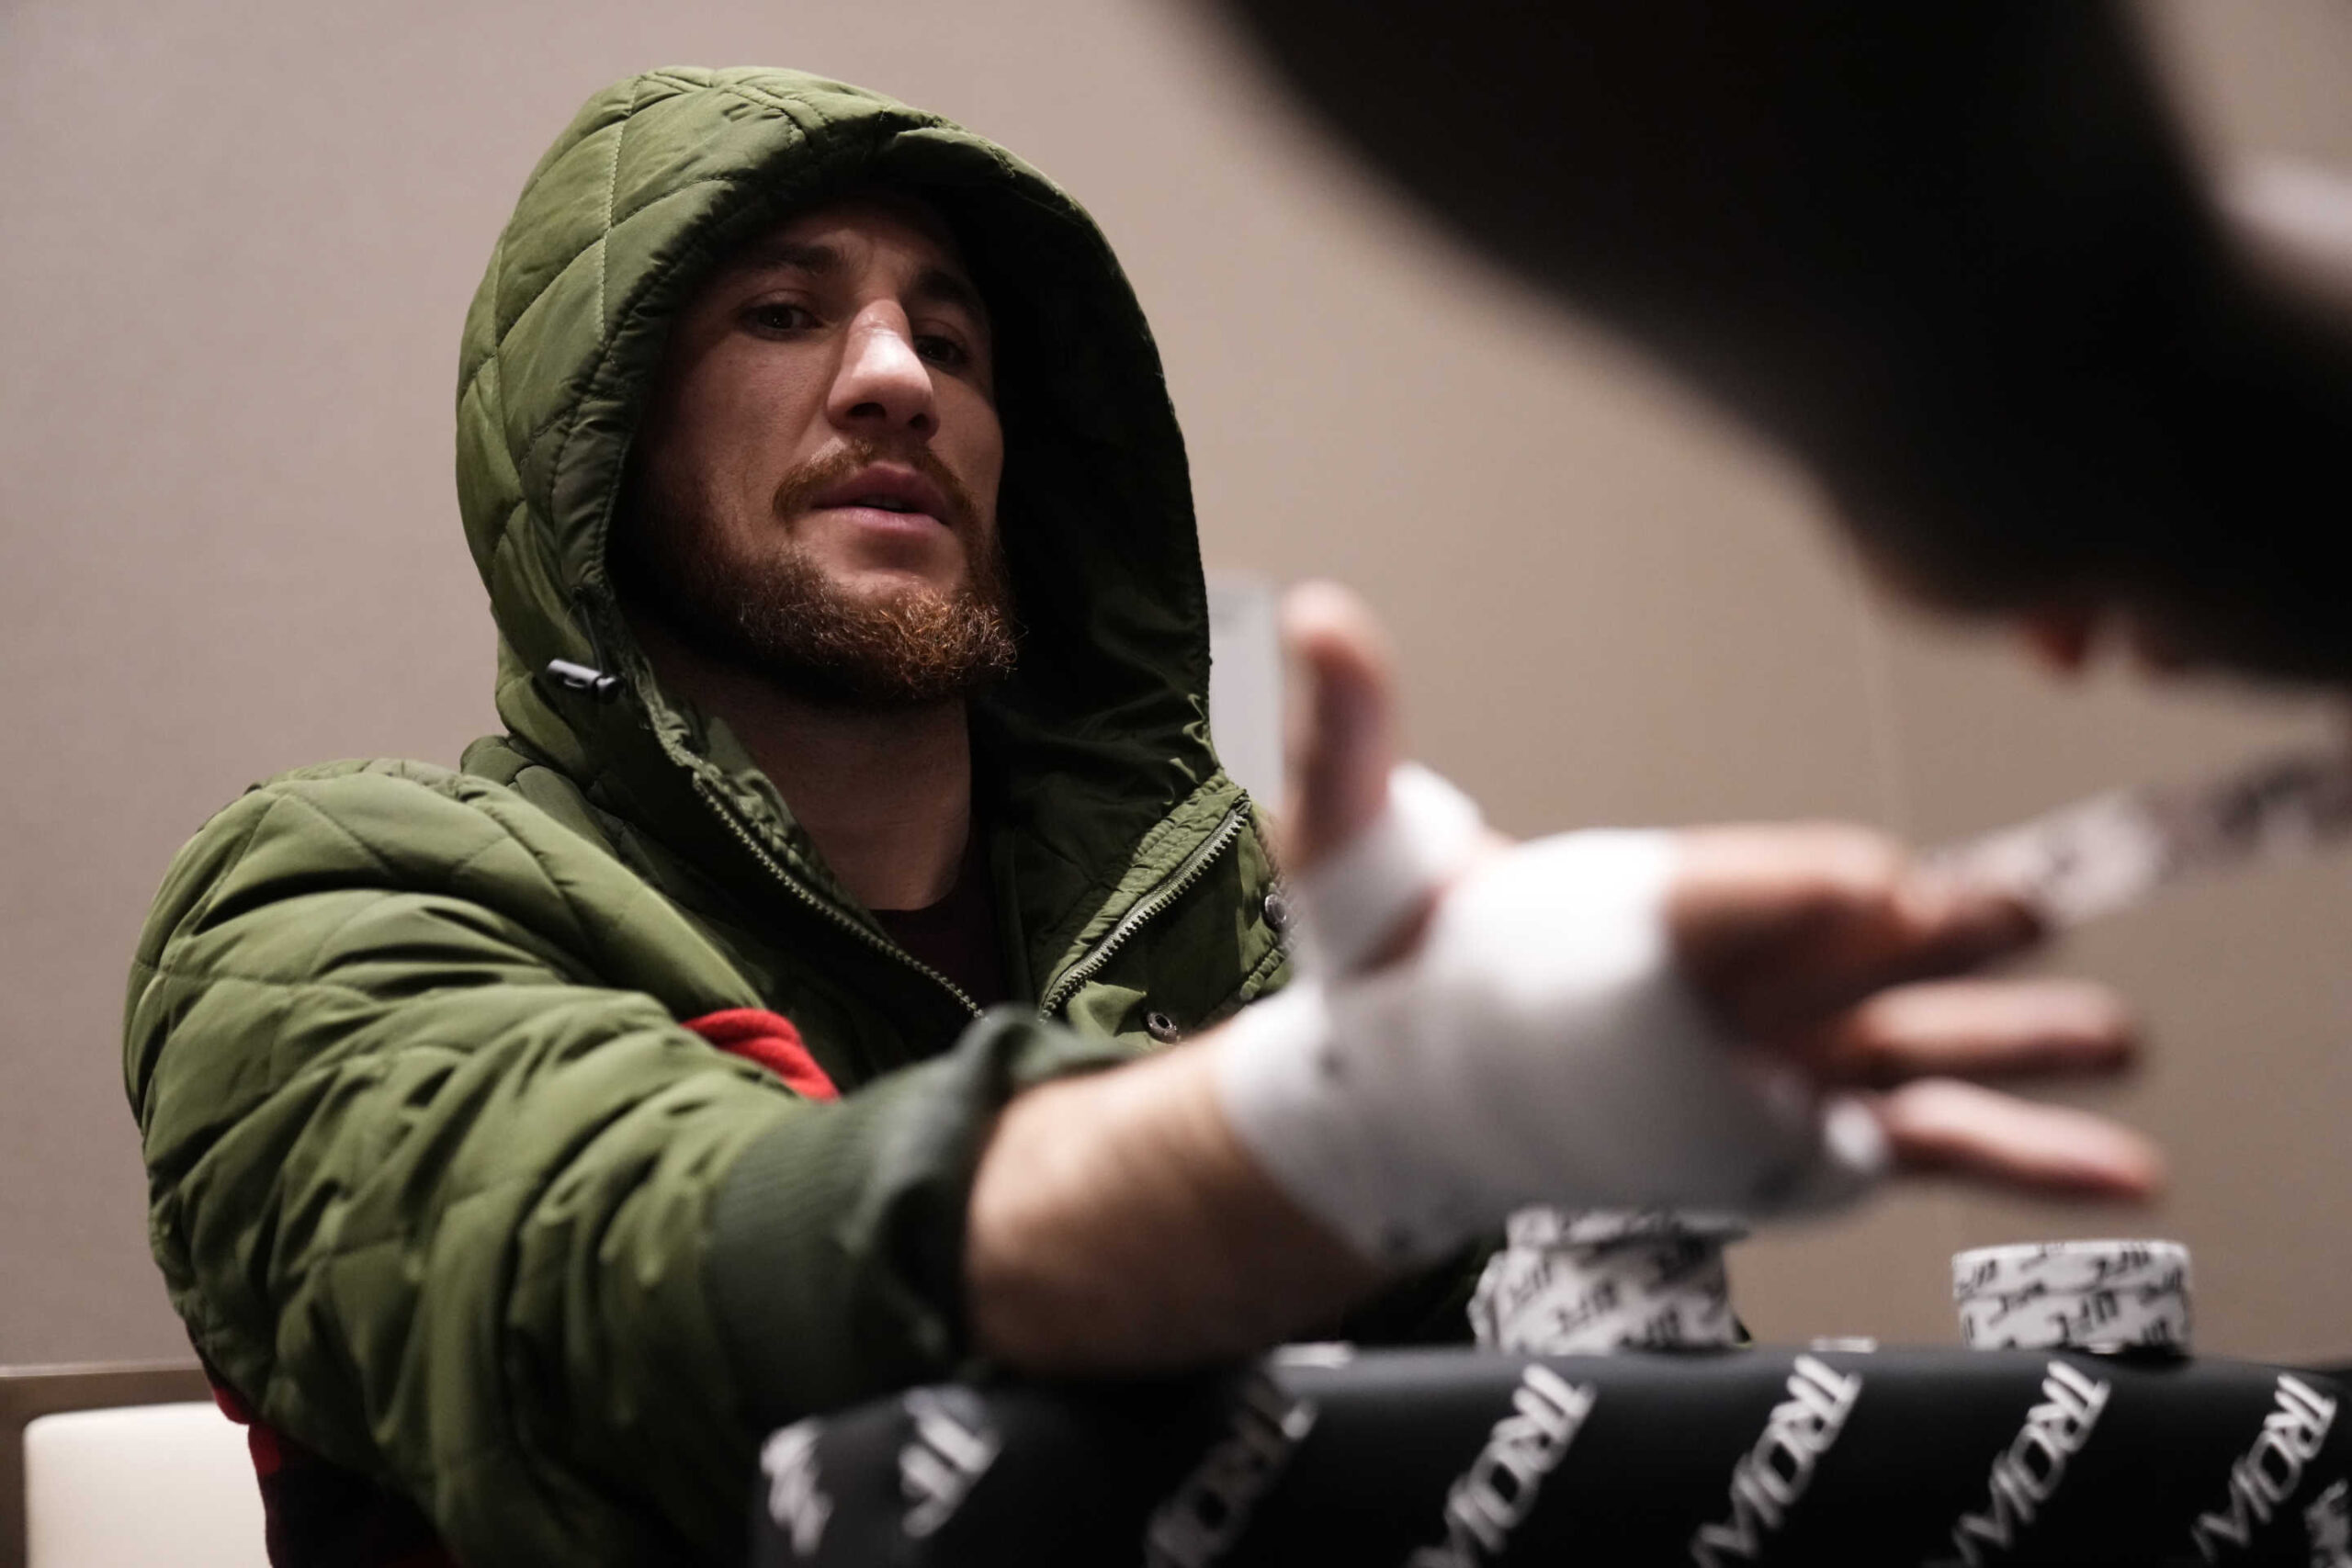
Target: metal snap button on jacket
(1162, 1027)
(1277, 911)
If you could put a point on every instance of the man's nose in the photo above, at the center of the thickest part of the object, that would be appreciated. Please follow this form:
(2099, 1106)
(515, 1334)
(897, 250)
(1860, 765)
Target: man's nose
(883, 384)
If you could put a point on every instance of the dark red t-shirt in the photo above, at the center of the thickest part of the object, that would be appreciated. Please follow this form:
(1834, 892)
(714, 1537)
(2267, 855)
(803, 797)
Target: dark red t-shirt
(957, 936)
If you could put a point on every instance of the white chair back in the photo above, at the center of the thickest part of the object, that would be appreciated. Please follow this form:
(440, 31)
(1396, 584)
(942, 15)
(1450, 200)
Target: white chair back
(174, 1488)
(142, 1485)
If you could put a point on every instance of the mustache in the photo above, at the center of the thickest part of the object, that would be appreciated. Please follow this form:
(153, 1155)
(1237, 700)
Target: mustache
(799, 489)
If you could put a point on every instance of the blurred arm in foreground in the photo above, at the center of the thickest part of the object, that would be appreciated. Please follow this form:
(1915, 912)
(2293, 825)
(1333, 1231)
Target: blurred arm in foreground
(1955, 257)
(1761, 1018)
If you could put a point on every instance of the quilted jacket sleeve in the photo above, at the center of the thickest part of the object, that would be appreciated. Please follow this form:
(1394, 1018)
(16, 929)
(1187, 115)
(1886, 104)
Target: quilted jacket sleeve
(436, 1178)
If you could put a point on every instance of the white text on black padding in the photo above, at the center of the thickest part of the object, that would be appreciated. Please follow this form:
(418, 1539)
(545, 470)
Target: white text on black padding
(796, 1503)
(1771, 1476)
(950, 1453)
(1499, 1490)
(1208, 1512)
(2328, 1523)
(2027, 1473)
(2266, 1474)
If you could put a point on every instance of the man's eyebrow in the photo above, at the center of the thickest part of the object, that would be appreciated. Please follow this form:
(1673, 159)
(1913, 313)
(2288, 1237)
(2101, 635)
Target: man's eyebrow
(941, 286)
(777, 255)
(937, 285)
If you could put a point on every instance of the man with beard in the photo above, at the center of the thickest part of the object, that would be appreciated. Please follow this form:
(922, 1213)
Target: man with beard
(526, 1141)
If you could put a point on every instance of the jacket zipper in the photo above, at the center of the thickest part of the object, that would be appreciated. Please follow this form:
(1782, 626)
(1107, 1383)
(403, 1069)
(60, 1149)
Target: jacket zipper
(870, 939)
(1195, 865)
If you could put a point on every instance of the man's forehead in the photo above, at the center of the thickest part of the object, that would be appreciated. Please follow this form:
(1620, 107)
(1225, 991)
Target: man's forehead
(820, 237)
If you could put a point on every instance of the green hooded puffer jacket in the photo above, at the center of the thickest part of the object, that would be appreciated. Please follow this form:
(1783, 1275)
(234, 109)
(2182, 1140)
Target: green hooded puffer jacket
(437, 1180)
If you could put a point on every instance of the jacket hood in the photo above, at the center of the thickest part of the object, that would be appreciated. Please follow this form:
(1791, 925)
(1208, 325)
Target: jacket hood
(1103, 733)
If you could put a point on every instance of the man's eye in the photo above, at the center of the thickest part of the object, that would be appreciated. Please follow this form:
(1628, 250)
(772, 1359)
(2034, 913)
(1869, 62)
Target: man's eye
(944, 352)
(778, 318)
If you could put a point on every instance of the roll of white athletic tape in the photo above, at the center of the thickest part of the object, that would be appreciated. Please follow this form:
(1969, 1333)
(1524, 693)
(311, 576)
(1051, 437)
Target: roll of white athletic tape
(2082, 1296)
(1589, 1282)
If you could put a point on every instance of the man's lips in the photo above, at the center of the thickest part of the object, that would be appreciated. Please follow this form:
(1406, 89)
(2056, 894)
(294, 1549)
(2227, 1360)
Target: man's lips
(888, 489)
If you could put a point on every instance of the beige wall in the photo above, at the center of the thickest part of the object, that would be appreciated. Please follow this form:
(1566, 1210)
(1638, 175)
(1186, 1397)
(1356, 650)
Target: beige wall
(239, 238)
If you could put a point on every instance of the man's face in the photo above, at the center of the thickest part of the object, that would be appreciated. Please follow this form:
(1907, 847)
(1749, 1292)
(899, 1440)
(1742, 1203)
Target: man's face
(815, 476)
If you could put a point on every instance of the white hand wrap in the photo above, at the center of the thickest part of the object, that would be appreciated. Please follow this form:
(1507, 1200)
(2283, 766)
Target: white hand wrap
(1358, 897)
(1538, 1047)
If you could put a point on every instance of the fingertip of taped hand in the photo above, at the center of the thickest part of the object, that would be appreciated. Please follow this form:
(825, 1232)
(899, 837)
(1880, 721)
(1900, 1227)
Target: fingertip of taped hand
(1954, 926)
(1784, 927)
(1344, 740)
(1939, 1126)
(1919, 923)
(1974, 1029)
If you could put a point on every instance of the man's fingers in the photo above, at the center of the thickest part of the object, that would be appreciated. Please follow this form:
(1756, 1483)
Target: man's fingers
(1344, 740)
(1975, 1029)
(1996, 1140)
(1785, 925)
(1943, 927)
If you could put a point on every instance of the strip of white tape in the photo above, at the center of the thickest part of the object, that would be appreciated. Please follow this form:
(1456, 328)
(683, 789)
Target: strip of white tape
(2113, 850)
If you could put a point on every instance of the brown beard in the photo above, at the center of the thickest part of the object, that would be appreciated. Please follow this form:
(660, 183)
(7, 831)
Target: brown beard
(774, 614)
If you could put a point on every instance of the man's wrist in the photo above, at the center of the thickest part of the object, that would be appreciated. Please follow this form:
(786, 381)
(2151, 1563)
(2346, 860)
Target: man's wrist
(1118, 1225)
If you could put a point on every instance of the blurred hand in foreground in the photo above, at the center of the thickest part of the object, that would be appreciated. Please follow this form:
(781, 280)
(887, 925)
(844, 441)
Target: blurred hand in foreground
(1498, 1025)
(1822, 946)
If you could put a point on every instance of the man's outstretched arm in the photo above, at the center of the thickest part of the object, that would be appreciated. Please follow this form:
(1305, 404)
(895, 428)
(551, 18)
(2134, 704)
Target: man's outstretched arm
(1124, 1223)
